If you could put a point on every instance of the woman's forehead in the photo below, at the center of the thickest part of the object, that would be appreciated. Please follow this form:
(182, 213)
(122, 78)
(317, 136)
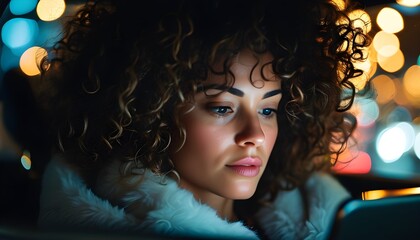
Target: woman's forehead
(244, 65)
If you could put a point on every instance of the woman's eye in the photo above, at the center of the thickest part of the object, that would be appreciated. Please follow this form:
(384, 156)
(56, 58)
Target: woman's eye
(268, 112)
(221, 110)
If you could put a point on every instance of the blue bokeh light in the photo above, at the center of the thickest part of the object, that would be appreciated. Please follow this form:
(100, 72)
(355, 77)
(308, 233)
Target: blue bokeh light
(19, 33)
(20, 7)
(399, 114)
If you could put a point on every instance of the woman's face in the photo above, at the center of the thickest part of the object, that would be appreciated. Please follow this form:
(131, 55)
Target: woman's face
(230, 136)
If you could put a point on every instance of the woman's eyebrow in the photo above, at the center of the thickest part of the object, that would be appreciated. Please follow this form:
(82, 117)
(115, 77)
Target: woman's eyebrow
(271, 93)
(230, 90)
(236, 91)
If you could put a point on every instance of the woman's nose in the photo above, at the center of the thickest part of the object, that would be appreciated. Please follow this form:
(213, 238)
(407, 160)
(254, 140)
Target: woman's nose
(250, 133)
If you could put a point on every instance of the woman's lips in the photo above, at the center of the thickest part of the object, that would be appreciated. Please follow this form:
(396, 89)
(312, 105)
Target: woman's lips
(247, 167)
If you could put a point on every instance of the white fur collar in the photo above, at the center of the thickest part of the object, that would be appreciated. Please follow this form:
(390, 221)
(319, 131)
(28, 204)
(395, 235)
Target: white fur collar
(151, 207)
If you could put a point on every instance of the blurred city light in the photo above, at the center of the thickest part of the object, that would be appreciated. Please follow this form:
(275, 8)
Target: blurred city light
(361, 19)
(391, 144)
(30, 60)
(378, 194)
(50, 10)
(411, 81)
(385, 88)
(390, 20)
(417, 145)
(366, 111)
(393, 62)
(26, 160)
(386, 44)
(409, 135)
(353, 163)
(408, 3)
(398, 114)
(20, 7)
(19, 33)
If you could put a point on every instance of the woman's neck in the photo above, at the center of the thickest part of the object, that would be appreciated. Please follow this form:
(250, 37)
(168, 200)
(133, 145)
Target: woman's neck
(223, 207)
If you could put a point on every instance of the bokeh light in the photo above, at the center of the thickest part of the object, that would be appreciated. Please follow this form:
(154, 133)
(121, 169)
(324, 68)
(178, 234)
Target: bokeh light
(25, 160)
(19, 33)
(390, 20)
(399, 114)
(20, 7)
(409, 134)
(411, 81)
(401, 96)
(394, 141)
(408, 3)
(366, 111)
(378, 194)
(384, 87)
(417, 145)
(30, 60)
(392, 63)
(386, 44)
(341, 4)
(359, 164)
(390, 144)
(361, 19)
(50, 10)
(369, 68)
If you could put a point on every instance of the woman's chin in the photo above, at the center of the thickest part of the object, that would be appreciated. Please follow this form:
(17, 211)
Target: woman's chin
(242, 191)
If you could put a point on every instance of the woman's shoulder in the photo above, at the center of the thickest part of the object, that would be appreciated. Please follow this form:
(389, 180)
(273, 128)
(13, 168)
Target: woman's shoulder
(67, 203)
(306, 212)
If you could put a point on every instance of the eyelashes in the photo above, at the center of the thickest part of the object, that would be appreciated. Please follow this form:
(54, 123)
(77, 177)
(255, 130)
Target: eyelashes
(268, 112)
(226, 111)
(220, 111)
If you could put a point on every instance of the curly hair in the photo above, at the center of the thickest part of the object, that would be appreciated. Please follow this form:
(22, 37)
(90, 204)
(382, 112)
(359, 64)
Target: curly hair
(116, 90)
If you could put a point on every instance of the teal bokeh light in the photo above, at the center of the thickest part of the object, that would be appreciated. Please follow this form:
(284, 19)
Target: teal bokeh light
(19, 33)
(20, 7)
(418, 60)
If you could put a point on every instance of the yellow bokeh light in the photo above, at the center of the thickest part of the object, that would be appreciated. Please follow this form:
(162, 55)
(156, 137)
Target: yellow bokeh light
(378, 194)
(390, 20)
(400, 96)
(411, 81)
(361, 19)
(373, 54)
(369, 69)
(50, 10)
(341, 4)
(30, 60)
(409, 3)
(393, 63)
(413, 101)
(384, 87)
(386, 44)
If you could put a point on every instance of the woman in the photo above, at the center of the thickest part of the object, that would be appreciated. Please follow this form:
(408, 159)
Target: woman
(205, 119)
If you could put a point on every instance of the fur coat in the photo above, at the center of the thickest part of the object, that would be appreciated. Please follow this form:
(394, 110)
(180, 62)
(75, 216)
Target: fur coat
(146, 205)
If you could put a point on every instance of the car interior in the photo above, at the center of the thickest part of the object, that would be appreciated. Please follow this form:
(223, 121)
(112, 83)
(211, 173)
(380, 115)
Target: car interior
(380, 167)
